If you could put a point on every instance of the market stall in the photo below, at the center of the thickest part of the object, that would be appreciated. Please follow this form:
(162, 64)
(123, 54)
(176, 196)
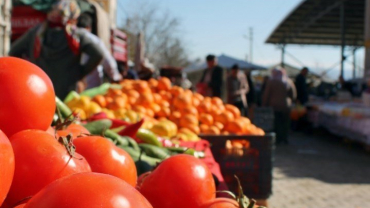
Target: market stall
(111, 143)
(349, 120)
(186, 119)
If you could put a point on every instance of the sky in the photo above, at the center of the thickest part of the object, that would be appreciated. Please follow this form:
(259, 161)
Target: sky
(221, 27)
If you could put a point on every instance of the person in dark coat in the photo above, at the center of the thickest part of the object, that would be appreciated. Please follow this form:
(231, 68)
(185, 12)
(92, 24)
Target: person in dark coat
(279, 94)
(301, 85)
(251, 95)
(212, 78)
(56, 46)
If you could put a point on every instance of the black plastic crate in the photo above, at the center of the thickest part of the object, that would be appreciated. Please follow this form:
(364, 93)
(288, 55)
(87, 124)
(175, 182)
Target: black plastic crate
(263, 117)
(253, 166)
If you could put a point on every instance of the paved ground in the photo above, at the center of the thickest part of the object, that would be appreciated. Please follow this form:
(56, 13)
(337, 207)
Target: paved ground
(319, 171)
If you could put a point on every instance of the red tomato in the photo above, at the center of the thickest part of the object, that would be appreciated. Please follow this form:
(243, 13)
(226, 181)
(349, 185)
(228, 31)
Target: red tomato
(40, 160)
(88, 190)
(26, 93)
(51, 131)
(222, 203)
(74, 129)
(20, 206)
(141, 178)
(181, 181)
(104, 157)
(6, 166)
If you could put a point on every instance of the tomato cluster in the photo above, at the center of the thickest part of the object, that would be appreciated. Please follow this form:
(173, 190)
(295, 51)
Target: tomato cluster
(43, 167)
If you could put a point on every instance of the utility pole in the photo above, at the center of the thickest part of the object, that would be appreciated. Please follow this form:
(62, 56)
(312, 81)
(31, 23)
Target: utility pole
(250, 38)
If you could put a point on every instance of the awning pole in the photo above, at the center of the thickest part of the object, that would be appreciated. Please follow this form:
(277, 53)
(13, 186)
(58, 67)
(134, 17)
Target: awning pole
(342, 30)
(354, 62)
(282, 55)
(367, 40)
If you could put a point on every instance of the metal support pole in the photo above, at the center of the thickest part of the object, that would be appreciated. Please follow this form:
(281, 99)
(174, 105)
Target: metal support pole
(367, 40)
(354, 62)
(282, 55)
(342, 30)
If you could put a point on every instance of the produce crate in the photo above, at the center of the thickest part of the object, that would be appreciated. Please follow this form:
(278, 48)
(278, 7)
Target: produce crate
(252, 165)
(264, 118)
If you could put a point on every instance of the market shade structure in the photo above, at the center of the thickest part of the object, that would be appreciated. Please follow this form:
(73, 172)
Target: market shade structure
(317, 22)
(323, 22)
(225, 62)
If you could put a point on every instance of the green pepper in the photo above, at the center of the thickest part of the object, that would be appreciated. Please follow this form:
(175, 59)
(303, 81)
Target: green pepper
(71, 95)
(102, 89)
(136, 156)
(132, 143)
(118, 129)
(97, 127)
(148, 137)
(116, 138)
(188, 151)
(63, 108)
(155, 151)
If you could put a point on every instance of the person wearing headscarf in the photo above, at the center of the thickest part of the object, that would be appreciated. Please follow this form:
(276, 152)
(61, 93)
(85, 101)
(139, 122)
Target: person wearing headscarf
(279, 93)
(56, 46)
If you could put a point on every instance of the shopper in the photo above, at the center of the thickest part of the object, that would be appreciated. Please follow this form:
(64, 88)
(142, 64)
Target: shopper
(279, 94)
(345, 85)
(237, 88)
(108, 66)
(211, 81)
(262, 90)
(301, 85)
(56, 46)
(250, 95)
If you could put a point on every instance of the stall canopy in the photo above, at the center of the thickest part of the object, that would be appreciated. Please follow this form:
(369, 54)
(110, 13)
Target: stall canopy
(318, 22)
(225, 62)
(323, 22)
(292, 73)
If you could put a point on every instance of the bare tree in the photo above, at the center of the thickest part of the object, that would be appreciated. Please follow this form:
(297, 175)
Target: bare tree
(163, 42)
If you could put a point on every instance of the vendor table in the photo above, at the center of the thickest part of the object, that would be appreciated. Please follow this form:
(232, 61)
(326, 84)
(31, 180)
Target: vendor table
(348, 120)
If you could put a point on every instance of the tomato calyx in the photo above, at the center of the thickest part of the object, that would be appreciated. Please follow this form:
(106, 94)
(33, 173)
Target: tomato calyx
(66, 141)
(241, 199)
(62, 124)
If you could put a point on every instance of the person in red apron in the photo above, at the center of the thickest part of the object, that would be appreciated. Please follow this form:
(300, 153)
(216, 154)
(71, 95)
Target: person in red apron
(211, 81)
(56, 46)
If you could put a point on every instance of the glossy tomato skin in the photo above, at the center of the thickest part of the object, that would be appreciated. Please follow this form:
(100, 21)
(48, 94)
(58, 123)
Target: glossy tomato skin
(40, 160)
(90, 190)
(104, 157)
(27, 98)
(181, 181)
(6, 166)
(222, 203)
(20, 206)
